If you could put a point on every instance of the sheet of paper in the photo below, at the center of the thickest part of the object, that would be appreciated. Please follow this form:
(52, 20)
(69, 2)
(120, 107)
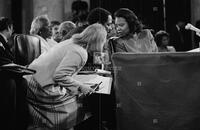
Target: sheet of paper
(104, 88)
(195, 50)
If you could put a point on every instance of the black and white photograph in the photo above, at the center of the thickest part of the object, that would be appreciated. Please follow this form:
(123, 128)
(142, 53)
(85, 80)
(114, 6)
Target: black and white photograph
(100, 64)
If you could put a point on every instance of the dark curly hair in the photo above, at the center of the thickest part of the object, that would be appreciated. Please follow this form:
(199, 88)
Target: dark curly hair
(98, 15)
(5, 23)
(159, 35)
(134, 24)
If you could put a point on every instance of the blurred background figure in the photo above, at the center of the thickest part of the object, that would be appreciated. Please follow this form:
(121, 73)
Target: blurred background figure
(40, 27)
(131, 35)
(54, 25)
(79, 12)
(64, 28)
(196, 37)
(13, 90)
(177, 35)
(162, 39)
(8, 89)
(6, 30)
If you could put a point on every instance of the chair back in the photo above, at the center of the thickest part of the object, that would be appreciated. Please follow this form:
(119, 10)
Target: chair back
(158, 91)
(27, 48)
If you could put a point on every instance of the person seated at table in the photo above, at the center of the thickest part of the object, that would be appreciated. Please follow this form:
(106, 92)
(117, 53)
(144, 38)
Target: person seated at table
(53, 92)
(13, 87)
(131, 35)
(162, 39)
(40, 27)
(6, 30)
(64, 28)
(54, 25)
(6, 80)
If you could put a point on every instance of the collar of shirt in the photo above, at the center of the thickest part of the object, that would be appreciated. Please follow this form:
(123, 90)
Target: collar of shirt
(4, 37)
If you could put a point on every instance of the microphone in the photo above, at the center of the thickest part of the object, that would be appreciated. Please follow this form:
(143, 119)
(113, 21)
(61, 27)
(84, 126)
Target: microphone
(191, 27)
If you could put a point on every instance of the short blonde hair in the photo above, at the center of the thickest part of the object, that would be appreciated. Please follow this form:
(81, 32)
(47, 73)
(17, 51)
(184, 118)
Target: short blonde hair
(39, 22)
(65, 27)
(92, 37)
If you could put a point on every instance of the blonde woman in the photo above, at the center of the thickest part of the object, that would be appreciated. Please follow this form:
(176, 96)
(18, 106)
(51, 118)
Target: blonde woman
(64, 28)
(52, 94)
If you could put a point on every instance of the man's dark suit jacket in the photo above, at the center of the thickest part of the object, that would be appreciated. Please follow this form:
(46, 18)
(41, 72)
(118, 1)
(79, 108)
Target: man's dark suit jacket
(177, 39)
(12, 93)
(5, 53)
(8, 86)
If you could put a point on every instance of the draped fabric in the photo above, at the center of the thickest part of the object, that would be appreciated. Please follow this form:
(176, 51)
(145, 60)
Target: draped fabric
(157, 91)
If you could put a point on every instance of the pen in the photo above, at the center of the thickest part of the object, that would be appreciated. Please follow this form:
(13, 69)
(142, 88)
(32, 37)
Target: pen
(96, 87)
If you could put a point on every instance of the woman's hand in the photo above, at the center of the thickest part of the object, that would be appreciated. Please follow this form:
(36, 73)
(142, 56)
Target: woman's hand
(86, 89)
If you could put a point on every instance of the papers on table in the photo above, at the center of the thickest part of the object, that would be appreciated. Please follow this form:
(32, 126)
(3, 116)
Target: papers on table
(104, 87)
(195, 50)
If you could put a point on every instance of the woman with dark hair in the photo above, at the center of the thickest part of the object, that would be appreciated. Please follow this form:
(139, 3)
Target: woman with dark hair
(162, 39)
(131, 35)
